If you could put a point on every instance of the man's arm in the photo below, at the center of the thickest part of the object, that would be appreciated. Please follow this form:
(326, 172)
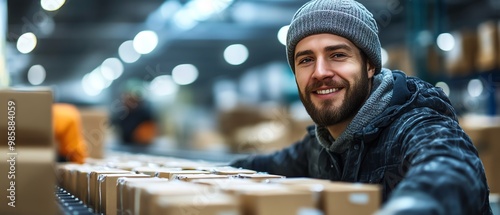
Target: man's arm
(445, 174)
(291, 161)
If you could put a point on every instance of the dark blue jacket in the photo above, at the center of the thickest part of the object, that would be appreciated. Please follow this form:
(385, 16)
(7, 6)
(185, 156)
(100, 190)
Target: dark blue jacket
(414, 149)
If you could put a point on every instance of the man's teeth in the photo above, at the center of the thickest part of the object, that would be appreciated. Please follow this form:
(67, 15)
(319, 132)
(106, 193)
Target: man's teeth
(327, 91)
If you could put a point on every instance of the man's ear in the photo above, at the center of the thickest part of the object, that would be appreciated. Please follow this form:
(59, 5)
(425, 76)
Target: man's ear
(370, 69)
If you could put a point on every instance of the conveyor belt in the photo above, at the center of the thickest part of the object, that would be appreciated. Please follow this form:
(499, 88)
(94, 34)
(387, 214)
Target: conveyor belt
(70, 205)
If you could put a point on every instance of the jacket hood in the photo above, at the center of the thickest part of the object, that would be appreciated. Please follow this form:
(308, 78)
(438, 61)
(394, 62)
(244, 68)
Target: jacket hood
(410, 93)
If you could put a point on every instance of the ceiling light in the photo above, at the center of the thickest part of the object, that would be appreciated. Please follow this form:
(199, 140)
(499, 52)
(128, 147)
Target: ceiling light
(282, 34)
(36, 75)
(445, 41)
(184, 74)
(88, 88)
(51, 5)
(163, 85)
(475, 87)
(127, 52)
(145, 42)
(444, 87)
(26, 43)
(236, 54)
(111, 68)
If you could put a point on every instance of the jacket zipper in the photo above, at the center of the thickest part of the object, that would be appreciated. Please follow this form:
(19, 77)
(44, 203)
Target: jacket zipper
(333, 162)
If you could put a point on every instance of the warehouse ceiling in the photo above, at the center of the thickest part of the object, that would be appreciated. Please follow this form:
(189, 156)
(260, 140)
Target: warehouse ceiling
(78, 37)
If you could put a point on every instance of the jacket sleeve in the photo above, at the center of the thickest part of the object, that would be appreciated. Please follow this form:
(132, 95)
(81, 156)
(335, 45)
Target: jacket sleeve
(444, 174)
(290, 162)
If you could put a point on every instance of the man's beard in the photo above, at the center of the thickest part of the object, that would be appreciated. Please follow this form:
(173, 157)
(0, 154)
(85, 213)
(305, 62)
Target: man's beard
(326, 114)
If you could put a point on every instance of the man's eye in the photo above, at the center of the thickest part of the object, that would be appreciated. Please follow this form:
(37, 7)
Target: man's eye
(305, 60)
(338, 55)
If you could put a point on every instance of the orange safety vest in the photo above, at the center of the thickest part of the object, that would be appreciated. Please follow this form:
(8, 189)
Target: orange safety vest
(68, 132)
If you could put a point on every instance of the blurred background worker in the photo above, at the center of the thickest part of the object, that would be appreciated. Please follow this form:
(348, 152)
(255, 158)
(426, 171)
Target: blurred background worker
(134, 120)
(67, 124)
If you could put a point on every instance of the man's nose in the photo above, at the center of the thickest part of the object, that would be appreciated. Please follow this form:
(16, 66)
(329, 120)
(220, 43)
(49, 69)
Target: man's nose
(323, 69)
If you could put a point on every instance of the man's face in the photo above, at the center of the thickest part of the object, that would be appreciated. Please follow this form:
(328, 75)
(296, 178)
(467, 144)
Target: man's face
(332, 77)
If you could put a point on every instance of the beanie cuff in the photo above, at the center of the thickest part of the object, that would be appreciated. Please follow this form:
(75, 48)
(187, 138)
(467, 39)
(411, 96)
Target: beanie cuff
(337, 23)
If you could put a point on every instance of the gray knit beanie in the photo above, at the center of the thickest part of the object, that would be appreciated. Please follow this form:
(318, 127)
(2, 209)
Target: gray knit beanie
(345, 18)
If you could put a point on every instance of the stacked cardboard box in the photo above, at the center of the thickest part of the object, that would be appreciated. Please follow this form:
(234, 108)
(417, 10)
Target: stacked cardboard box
(28, 155)
(339, 197)
(488, 46)
(460, 61)
(95, 130)
(484, 132)
(260, 128)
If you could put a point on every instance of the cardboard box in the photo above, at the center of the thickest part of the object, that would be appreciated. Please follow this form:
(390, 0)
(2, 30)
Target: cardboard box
(146, 195)
(261, 129)
(93, 177)
(268, 199)
(460, 61)
(169, 174)
(485, 133)
(400, 59)
(64, 177)
(31, 113)
(301, 180)
(338, 197)
(227, 170)
(214, 204)
(259, 177)
(28, 160)
(129, 166)
(31, 190)
(83, 179)
(191, 177)
(152, 170)
(185, 164)
(126, 192)
(498, 47)
(488, 46)
(107, 191)
(343, 198)
(95, 129)
(222, 183)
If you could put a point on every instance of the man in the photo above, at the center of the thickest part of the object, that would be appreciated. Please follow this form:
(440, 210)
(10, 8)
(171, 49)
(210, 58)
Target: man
(373, 125)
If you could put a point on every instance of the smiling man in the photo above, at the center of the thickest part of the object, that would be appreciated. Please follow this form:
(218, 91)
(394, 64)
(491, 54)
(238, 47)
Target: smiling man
(373, 125)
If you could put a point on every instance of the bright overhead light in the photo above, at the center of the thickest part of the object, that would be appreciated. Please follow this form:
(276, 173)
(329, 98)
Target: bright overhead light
(36, 75)
(26, 43)
(127, 52)
(475, 87)
(225, 94)
(184, 74)
(282, 34)
(236, 54)
(203, 9)
(88, 87)
(183, 20)
(198, 10)
(52, 5)
(111, 68)
(444, 87)
(163, 85)
(145, 42)
(446, 41)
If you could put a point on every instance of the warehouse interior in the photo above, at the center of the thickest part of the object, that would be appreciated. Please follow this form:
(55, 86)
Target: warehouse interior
(212, 80)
